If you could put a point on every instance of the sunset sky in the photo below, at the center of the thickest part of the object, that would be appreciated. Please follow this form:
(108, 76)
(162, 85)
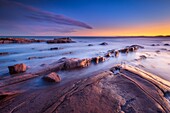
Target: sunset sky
(84, 17)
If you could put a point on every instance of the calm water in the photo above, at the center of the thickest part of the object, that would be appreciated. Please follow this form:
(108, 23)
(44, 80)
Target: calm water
(157, 63)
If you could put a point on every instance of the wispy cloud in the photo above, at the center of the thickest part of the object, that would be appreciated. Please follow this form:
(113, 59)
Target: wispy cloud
(16, 15)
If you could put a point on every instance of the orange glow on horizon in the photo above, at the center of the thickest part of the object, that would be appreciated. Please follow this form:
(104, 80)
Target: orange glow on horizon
(152, 29)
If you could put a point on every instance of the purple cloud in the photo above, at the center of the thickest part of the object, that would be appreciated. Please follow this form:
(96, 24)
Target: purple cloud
(15, 14)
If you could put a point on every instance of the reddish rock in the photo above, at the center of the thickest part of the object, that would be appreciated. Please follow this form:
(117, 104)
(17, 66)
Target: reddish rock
(52, 77)
(75, 63)
(17, 40)
(108, 54)
(98, 59)
(116, 53)
(60, 40)
(18, 68)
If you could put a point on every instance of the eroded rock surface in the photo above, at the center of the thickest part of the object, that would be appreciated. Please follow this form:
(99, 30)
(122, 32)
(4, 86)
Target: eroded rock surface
(127, 91)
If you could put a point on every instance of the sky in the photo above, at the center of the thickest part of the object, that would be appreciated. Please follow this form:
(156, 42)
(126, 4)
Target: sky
(84, 17)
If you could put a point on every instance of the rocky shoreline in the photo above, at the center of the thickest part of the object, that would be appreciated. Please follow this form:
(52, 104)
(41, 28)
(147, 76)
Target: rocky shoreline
(123, 88)
(120, 89)
(25, 40)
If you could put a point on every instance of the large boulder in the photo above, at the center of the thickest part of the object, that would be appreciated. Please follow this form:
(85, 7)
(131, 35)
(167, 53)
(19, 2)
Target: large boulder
(18, 68)
(75, 63)
(52, 77)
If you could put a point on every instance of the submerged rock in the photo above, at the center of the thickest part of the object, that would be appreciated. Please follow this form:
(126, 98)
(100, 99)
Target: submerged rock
(18, 68)
(60, 40)
(55, 48)
(104, 43)
(4, 53)
(142, 57)
(52, 77)
(166, 44)
(90, 45)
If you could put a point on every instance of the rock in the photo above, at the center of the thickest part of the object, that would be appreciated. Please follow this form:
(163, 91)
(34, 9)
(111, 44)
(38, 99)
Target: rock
(90, 45)
(157, 51)
(142, 57)
(104, 43)
(17, 40)
(166, 44)
(60, 40)
(98, 59)
(131, 49)
(155, 45)
(116, 53)
(75, 63)
(18, 68)
(126, 50)
(55, 48)
(52, 77)
(4, 53)
(136, 47)
(112, 51)
(163, 49)
(108, 54)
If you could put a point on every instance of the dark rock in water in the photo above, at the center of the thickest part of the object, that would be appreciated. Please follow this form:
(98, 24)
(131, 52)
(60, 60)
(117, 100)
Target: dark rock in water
(136, 47)
(112, 51)
(18, 40)
(4, 53)
(90, 45)
(60, 40)
(155, 45)
(18, 68)
(166, 44)
(142, 57)
(163, 49)
(116, 53)
(108, 54)
(126, 50)
(157, 51)
(52, 77)
(104, 43)
(131, 49)
(55, 48)
(98, 59)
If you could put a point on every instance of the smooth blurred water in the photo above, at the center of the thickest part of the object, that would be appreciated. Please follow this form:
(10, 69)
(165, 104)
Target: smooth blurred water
(158, 64)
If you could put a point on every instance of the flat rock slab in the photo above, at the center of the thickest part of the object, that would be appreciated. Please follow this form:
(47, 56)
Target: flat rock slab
(125, 91)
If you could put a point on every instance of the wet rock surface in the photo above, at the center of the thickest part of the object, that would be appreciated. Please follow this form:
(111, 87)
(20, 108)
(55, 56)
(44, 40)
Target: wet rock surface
(127, 91)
